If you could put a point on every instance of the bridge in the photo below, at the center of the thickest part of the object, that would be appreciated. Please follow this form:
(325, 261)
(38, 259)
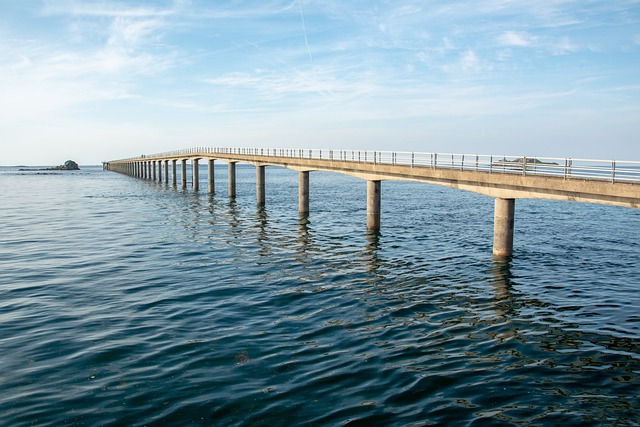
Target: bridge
(503, 178)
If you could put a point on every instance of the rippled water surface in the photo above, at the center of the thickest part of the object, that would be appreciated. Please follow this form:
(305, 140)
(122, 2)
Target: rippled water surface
(129, 302)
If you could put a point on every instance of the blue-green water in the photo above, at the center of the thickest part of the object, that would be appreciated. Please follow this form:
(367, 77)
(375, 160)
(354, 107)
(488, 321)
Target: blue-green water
(129, 302)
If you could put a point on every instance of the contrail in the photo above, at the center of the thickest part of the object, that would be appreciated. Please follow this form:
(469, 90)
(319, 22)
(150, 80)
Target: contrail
(304, 28)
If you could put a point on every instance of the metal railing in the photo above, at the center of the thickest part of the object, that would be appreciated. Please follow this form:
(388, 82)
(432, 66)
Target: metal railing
(567, 168)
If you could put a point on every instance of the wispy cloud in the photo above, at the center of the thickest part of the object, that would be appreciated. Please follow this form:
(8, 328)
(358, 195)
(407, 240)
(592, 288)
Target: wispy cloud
(109, 9)
(518, 39)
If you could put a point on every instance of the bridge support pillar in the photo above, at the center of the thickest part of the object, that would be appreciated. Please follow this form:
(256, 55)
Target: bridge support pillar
(166, 171)
(212, 184)
(154, 174)
(260, 188)
(195, 176)
(173, 171)
(159, 170)
(183, 172)
(232, 180)
(303, 192)
(503, 220)
(373, 205)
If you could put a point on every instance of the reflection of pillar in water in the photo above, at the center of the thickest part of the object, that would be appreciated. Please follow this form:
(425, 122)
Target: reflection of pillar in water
(501, 280)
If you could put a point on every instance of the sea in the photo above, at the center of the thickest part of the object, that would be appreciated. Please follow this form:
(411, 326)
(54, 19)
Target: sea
(128, 302)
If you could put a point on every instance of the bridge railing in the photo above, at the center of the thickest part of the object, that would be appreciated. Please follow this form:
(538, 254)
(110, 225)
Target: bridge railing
(568, 168)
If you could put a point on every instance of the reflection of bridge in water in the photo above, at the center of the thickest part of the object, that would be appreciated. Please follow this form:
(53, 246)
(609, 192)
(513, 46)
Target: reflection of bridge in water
(505, 179)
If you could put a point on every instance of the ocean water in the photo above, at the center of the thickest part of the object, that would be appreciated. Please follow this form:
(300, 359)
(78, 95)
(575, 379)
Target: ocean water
(135, 303)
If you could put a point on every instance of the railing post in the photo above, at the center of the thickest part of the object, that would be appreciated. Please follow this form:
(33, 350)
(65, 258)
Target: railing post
(613, 171)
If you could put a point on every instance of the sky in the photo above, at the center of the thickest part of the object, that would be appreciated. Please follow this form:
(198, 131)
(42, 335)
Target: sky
(103, 80)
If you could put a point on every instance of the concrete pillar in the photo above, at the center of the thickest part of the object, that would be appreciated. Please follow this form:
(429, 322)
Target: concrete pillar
(166, 171)
(211, 180)
(195, 177)
(159, 170)
(373, 205)
(260, 193)
(148, 168)
(154, 174)
(303, 192)
(232, 179)
(183, 174)
(173, 171)
(503, 220)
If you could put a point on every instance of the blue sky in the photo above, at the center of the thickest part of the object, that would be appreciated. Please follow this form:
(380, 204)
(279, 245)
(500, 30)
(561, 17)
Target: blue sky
(101, 80)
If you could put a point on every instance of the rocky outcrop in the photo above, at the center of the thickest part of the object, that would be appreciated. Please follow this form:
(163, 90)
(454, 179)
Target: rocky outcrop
(69, 165)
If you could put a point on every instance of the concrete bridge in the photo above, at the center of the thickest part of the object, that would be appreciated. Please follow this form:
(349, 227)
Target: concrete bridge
(501, 177)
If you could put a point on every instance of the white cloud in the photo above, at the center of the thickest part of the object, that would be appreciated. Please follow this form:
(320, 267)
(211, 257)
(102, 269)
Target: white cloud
(518, 39)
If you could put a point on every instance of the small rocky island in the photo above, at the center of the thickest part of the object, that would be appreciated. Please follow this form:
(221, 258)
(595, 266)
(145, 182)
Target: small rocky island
(69, 165)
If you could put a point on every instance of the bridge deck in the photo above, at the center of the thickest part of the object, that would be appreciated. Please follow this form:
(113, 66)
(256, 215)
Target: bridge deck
(532, 178)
